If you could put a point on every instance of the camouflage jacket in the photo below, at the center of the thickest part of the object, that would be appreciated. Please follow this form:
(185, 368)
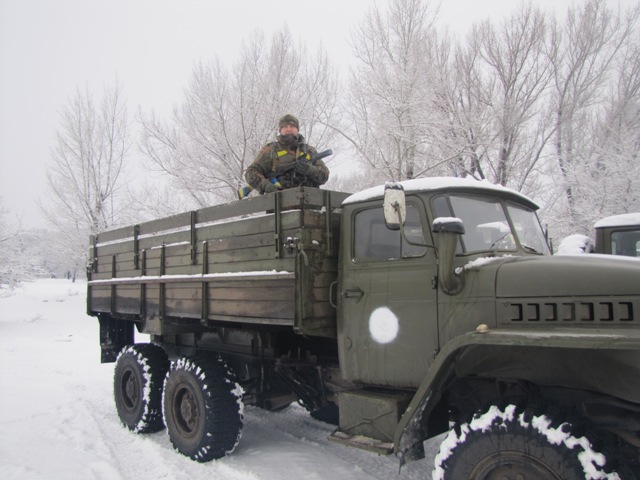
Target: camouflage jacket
(277, 156)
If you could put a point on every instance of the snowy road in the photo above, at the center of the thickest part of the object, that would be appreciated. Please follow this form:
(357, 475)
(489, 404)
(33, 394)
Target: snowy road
(58, 419)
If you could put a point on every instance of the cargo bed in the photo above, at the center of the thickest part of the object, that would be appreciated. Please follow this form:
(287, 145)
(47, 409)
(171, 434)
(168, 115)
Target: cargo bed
(266, 260)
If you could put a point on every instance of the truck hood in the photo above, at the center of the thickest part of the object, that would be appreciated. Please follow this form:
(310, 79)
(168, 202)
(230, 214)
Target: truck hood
(570, 275)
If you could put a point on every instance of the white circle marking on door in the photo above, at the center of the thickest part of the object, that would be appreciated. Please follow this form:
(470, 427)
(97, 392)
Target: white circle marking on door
(383, 325)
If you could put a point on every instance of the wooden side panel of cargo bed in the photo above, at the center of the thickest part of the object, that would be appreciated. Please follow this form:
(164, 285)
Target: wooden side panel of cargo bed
(186, 271)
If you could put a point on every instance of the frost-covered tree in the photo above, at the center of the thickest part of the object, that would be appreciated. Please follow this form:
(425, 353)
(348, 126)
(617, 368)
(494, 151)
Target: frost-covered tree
(20, 258)
(608, 173)
(585, 50)
(463, 100)
(229, 113)
(420, 105)
(85, 176)
(11, 272)
(546, 107)
(391, 118)
(504, 76)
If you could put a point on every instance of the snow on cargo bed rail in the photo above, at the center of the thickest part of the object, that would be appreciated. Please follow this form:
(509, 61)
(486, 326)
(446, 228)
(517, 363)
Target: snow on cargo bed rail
(184, 228)
(196, 277)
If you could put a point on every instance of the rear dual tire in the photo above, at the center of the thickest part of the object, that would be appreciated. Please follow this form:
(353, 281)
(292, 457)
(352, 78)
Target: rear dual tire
(198, 399)
(137, 386)
(203, 408)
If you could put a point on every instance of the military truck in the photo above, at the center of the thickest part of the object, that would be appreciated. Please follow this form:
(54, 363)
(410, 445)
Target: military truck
(398, 313)
(618, 235)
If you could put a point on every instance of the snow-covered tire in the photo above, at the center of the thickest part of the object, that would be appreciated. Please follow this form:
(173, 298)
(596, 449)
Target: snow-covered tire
(512, 443)
(203, 408)
(137, 386)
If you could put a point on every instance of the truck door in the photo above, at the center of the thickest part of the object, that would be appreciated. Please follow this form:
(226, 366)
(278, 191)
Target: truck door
(387, 315)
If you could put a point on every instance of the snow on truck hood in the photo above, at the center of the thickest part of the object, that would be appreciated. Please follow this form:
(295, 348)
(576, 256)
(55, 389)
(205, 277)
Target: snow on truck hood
(434, 183)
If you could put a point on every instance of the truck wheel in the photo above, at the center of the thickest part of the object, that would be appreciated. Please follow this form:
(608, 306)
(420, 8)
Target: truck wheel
(202, 408)
(513, 443)
(137, 386)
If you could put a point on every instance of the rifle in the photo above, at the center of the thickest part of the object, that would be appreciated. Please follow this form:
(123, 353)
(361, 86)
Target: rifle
(273, 177)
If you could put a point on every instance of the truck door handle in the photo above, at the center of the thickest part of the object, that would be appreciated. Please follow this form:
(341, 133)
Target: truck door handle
(356, 293)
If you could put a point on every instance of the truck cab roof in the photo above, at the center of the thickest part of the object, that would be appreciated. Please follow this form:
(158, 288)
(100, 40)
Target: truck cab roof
(441, 183)
(623, 220)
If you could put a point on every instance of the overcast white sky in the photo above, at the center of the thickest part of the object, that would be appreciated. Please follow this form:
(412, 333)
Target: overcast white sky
(49, 48)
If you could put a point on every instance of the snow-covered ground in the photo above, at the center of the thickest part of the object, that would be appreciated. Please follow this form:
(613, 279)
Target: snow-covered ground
(58, 418)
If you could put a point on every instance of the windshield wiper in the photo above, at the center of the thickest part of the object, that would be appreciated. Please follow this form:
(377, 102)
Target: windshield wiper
(529, 249)
(494, 244)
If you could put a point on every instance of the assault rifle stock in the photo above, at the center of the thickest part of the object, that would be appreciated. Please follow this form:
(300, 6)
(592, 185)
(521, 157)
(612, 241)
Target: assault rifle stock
(273, 177)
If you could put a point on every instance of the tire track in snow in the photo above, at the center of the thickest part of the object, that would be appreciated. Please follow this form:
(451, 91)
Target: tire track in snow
(145, 456)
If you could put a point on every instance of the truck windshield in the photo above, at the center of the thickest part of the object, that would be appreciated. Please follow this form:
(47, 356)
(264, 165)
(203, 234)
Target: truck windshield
(528, 229)
(487, 226)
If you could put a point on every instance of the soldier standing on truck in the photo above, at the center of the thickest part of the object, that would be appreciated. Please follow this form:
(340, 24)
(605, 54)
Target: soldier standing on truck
(289, 150)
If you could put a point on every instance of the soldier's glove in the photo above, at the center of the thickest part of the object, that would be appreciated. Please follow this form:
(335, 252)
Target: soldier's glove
(268, 187)
(306, 169)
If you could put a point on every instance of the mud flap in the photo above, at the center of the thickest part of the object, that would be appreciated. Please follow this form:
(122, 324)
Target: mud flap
(114, 335)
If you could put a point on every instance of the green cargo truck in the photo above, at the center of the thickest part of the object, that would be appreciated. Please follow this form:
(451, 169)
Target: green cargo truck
(398, 313)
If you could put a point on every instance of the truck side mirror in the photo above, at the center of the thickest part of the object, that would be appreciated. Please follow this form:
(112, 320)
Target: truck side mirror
(394, 206)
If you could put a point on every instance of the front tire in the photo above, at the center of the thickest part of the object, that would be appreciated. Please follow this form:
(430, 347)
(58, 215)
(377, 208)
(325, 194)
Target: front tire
(137, 386)
(512, 443)
(202, 408)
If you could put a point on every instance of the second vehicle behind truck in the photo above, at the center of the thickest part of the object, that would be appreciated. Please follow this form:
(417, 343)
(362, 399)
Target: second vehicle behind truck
(618, 235)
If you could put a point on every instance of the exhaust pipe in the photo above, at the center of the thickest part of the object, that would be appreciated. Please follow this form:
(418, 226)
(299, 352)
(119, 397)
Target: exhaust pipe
(279, 402)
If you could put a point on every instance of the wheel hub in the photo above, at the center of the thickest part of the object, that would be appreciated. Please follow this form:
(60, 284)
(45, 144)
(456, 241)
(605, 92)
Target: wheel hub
(130, 390)
(187, 410)
(510, 465)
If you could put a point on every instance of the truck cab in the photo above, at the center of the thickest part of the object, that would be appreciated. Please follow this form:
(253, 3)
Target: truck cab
(393, 300)
(458, 305)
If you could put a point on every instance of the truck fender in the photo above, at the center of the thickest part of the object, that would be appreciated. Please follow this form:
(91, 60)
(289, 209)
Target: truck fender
(410, 431)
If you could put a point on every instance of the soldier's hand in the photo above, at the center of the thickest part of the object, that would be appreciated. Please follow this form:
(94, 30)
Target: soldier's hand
(306, 169)
(268, 187)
